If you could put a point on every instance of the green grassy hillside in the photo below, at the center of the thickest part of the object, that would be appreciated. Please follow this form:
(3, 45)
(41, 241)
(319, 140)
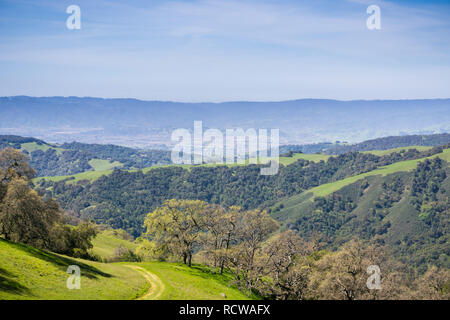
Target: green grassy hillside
(33, 146)
(101, 165)
(29, 273)
(391, 205)
(287, 207)
(389, 151)
(87, 175)
(199, 283)
(328, 188)
(310, 157)
(106, 242)
(105, 168)
(94, 175)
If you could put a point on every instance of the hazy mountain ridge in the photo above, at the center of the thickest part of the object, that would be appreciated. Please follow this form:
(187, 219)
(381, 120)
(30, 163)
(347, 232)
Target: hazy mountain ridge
(140, 123)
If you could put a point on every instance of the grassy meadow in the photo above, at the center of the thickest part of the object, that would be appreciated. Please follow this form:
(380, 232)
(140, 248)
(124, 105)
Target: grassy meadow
(29, 273)
(106, 242)
(198, 282)
(33, 146)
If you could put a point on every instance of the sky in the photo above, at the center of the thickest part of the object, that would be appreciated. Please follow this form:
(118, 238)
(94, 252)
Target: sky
(226, 50)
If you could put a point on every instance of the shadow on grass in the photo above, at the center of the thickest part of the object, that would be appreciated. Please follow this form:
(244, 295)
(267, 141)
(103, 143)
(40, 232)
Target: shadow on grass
(61, 262)
(206, 273)
(11, 286)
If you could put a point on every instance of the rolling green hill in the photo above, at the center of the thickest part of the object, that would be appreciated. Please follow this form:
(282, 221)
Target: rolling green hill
(71, 158)
(392, 142)
(310, 157)
(106, 242)
(101, 164)
(328, 188)
(388, 151)
(77, 160)
(29, 273)
(408, 165)
(197, 283)
(402, 205)
(33, 146)
(105, 168)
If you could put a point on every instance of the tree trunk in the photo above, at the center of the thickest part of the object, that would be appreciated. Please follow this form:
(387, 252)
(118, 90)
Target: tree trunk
(190, 260)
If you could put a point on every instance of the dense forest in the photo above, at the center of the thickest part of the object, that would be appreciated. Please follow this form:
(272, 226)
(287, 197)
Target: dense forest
(340, 147)
(16, 141)
(392, 142)
(405, 211)
(71, 158)
(123, 198)
(307, 148)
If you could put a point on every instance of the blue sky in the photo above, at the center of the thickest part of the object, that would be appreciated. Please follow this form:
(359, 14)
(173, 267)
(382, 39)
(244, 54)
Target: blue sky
(222, 50)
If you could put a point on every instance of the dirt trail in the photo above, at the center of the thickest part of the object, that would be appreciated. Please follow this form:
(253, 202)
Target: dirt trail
(156, 285)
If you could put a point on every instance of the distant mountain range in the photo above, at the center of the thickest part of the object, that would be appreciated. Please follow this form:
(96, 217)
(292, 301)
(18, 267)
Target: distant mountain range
(139, 123)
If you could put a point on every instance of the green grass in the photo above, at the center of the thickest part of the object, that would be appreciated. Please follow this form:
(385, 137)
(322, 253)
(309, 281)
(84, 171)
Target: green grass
(87, 175)
(106, 242)
(283, 160)
(328, 188)
(389, 151)
(94, 175)
(102, 170)
(310, 157)
(303, 200)
(196, 283)
(102, 165)
(29, 273)
(33, 146)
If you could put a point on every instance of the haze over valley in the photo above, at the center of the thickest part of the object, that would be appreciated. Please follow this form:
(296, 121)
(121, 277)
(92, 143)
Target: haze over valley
(149, 124)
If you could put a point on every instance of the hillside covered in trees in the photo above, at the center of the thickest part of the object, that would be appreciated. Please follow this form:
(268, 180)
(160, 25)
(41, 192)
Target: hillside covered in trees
(123, 198)
(385, 143)
(392, 142)
(407, 211)
(404, 207)
(308, 232)
(71, 158)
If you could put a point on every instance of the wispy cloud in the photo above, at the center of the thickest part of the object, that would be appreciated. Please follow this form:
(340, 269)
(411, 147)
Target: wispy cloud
(251, 50)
